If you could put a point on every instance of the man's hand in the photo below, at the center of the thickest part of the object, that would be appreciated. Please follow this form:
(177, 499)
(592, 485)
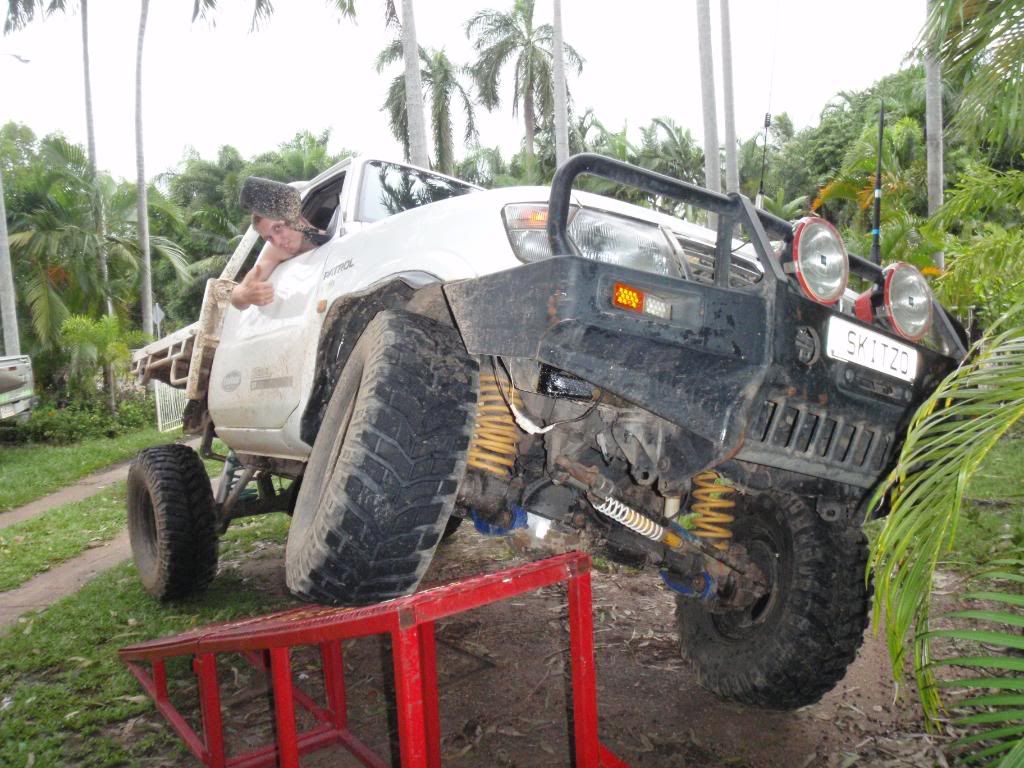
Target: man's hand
(254, 289)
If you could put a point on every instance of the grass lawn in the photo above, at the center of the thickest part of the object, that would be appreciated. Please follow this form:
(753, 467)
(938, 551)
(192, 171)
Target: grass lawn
(63, 692)
(29, 472)
(36, 545)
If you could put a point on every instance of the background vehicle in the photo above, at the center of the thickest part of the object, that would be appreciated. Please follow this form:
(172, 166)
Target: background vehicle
(17, 387)
(716, 403)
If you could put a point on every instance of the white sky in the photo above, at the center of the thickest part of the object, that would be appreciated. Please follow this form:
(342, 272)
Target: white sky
(206, 86)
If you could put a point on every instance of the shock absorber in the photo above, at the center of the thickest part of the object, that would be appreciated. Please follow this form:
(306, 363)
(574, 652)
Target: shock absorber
(711, 499)
(495, 437)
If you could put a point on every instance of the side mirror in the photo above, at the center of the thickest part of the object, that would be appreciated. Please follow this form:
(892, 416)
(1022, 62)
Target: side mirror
(270, 199)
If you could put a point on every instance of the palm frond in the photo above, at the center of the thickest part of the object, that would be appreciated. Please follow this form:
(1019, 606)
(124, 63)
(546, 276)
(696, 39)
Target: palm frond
(948, 438)
(987, 639)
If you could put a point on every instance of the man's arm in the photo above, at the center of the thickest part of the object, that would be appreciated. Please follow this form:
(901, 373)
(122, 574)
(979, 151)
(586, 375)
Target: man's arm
(255, 288)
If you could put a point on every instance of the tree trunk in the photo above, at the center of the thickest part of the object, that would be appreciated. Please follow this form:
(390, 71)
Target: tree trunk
(561, 106)
(8, 306)
(101, 230)
(934, 134)
(712, 162)
(528, 119)
(418, 153)
(142, 203)
(732, 176)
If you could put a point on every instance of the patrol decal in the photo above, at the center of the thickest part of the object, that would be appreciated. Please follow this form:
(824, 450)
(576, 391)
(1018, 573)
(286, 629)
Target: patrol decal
(338, 269)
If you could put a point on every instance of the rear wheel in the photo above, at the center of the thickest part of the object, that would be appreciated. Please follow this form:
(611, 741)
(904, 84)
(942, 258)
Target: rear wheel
(794, 644)
(382, 478)
(171, 521)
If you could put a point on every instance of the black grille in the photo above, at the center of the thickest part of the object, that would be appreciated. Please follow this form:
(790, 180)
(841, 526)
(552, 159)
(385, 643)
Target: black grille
(800, 431)
(701, 258)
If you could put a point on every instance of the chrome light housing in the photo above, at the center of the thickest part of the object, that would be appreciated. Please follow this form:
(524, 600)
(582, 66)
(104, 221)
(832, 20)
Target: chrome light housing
(819, 261)
(596, 235)
(903, 302)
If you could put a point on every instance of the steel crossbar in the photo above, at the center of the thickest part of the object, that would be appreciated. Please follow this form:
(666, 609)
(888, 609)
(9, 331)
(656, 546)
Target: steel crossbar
(266, 643)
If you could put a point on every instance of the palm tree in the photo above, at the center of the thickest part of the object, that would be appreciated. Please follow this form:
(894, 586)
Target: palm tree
(981, 46)
(441, 78)
(59, 248)
(712, 161)
(561, 102)
(902, 171)
(732, 176)
(933, 133)
(8, 302)
(504, 37)
(142, 206)
(22, 12)
(785, 209)
(669, 148)
(413, 88)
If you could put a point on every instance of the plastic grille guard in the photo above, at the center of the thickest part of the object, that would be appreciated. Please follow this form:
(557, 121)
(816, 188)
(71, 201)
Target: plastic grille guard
(725, 368)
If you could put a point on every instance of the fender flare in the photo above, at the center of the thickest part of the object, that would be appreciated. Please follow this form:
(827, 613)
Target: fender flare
(344, 323)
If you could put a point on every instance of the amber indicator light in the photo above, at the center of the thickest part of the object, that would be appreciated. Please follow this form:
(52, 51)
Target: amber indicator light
(627, 297)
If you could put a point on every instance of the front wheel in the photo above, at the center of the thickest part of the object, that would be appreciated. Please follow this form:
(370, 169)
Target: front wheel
(793, 644)
(381, 481)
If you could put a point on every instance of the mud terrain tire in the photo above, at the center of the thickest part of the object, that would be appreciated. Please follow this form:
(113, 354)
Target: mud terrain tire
(171, 521)
(385, 468)
(794, 644)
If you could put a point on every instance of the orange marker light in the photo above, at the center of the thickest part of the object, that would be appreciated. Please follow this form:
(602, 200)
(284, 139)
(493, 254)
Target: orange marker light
(537, 218)
(625, 297)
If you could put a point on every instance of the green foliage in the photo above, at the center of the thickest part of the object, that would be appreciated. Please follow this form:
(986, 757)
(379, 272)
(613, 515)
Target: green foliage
(28, 472)
(983, 215)
(985, 643)
(94, 344)
(949, 437)
(86, 418)
(59, 670)
(981, 46)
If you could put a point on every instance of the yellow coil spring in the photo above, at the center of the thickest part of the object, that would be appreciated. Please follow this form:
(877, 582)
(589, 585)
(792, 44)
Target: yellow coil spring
(495, 436)
(709, 502)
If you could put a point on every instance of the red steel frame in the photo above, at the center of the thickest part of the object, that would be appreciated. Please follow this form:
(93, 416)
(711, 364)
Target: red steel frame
(266, 642)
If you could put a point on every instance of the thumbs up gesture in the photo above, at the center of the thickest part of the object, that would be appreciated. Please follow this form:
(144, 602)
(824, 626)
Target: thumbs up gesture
(254, 289)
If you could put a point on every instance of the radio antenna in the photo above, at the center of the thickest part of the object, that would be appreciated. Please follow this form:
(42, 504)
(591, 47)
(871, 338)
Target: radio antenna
(876, 228)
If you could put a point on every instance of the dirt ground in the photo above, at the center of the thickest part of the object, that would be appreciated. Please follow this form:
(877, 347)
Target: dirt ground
(503, 682)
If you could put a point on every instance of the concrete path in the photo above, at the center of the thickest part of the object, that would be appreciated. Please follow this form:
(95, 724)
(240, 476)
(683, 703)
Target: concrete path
(50, 586)
(81, 489)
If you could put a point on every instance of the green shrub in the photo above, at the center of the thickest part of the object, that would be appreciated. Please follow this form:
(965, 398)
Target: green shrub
(61, 426)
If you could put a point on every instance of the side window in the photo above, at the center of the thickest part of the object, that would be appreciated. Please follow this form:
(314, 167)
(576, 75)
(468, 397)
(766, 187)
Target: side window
(389, 189)
(321, 204)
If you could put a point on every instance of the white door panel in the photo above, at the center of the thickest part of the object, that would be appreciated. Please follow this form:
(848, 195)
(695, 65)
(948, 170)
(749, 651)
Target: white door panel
(257, 376)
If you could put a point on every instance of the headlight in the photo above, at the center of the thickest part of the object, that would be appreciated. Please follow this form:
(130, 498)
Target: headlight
(903, 302)
(596, 235)
(819, 260)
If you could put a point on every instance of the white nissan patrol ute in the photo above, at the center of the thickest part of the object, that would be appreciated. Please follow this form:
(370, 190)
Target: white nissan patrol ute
(715, 403)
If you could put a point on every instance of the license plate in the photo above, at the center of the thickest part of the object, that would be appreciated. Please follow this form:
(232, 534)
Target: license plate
(855, 344)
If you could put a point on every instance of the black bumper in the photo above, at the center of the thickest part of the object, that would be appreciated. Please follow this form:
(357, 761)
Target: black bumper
(731, 367)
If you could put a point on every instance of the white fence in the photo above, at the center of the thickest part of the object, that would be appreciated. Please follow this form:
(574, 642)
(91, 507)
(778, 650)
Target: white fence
(170, 405)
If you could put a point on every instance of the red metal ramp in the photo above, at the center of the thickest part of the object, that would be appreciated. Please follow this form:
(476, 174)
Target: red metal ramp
(266, 641)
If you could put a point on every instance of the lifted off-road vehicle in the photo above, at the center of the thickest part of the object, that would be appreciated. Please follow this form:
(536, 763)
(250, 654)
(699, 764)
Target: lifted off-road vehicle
(717, 403)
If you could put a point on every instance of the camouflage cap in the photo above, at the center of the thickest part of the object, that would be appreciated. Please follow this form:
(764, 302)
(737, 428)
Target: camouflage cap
(270, 199)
